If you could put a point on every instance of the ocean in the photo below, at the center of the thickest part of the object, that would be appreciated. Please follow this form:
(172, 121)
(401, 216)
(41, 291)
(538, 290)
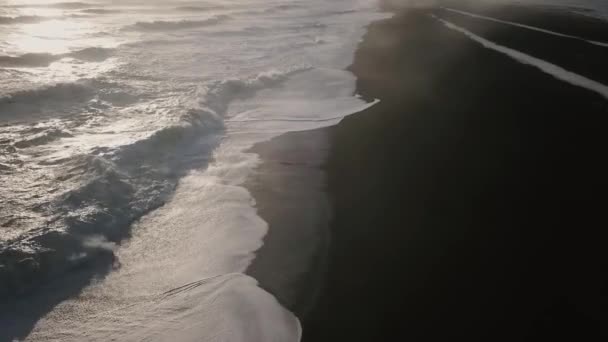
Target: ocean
(125, 130)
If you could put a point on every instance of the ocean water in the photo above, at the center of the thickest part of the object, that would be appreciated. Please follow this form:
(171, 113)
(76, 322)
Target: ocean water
(124, 130)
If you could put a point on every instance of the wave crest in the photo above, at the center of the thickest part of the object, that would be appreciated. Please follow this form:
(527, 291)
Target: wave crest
(29, 60)
(33, 60)
(112, 188)
(176, 25)
(25, 19)
(42, 138)
(100, 11)
(54, 93)
(204, 8)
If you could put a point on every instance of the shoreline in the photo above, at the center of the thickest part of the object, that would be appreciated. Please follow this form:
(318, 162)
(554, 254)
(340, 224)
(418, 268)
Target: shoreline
(289, 188)
(464, 203)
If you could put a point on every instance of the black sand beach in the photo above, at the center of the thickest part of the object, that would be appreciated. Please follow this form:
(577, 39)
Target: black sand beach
(470, 202)
(290, 192)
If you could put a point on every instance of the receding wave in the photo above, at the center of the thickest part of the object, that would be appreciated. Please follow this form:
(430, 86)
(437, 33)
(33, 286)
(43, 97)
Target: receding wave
(25, 19)
(176, 25)
(32, 60)
(112, 188)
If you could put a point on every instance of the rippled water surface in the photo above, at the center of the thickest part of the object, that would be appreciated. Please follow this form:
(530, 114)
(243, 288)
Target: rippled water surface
(123, 131)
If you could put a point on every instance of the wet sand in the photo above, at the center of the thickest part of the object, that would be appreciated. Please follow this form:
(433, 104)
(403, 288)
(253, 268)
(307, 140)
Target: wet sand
(289, 188)
(469, 203)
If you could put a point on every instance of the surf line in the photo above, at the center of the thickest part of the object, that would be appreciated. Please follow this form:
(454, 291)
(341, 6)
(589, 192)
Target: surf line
(546, 67)
(533, 28)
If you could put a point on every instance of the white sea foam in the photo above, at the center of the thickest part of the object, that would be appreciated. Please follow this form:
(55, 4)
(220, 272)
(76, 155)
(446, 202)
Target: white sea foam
(160, 25)
(152, 123)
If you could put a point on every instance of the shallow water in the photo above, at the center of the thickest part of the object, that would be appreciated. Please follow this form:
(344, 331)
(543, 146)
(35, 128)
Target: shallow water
(123, 131)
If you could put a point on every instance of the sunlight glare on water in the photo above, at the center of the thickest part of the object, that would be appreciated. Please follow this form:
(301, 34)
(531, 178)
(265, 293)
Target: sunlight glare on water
(124, 131)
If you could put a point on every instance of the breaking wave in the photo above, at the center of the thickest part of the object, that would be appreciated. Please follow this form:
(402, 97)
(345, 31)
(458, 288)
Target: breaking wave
(29, 60)
(60, 5)
(32, 60)
(76, 99)
(55, 93)
(91, 54)
(42, 138)
(112, 188)
(176, 25)
(100, 11)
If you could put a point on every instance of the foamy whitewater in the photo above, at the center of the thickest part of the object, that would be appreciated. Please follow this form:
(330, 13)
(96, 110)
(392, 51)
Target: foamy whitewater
(124, 127)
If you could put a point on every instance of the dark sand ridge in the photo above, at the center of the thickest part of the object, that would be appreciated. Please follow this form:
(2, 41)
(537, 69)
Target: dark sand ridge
(468, 203)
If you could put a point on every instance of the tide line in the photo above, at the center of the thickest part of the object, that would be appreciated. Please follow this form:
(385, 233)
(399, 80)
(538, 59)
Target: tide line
(533, 28)
(546, 67)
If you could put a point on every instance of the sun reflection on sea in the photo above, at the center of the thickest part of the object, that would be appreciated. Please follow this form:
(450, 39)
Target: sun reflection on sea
(53, 36)
(61, 41)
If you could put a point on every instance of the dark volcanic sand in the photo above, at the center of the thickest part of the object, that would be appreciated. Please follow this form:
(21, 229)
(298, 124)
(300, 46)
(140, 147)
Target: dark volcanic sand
(289, 188)
(470, 203)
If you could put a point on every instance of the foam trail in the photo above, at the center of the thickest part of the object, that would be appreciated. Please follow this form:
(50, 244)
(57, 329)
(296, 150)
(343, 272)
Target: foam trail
(533, 28)
(546, 67)
(331, 118)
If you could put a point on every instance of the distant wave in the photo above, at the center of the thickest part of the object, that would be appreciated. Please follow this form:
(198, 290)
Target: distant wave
(69, 5)
(288, 7)
(281, 8)
(100, 11)
(199, 8)
(62, 5)
(26, 19)
(343, 12)
(32, 60)
(91, 54)
(176, 25)
(314, 25)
